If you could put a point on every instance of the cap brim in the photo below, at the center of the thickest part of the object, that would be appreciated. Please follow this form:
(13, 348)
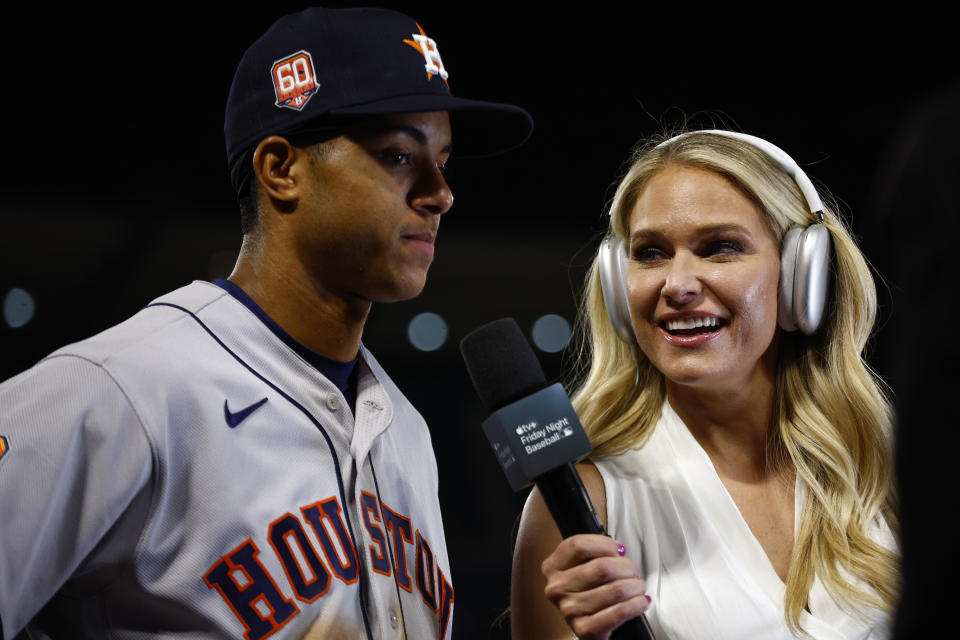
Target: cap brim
(480, 128)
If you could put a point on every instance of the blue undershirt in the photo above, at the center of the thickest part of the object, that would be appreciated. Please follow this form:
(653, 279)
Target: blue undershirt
(342, 374)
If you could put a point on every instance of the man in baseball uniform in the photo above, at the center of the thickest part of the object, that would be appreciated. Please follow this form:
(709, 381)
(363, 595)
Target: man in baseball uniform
(231, 461)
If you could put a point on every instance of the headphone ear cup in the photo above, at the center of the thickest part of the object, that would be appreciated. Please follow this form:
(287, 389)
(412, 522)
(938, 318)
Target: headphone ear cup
(612, 264)
(788, 261)
(804, 278)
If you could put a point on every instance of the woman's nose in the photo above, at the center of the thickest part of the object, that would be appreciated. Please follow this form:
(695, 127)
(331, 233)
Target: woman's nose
(682, 285)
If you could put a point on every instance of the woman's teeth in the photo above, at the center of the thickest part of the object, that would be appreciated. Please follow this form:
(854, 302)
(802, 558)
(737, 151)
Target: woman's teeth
(692, 323)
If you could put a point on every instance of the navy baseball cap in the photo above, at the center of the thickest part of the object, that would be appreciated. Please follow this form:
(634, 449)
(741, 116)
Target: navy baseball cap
(327, 65)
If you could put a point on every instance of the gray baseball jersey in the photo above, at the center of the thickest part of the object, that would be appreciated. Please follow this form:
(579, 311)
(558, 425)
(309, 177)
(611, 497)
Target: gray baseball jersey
(186, 474)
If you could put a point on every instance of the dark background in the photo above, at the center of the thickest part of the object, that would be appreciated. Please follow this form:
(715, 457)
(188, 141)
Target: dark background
(114, 187)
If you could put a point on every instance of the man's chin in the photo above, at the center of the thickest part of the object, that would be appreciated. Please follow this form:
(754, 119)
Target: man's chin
(397, 291)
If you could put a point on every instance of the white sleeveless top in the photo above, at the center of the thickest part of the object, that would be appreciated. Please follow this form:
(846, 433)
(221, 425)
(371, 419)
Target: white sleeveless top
(707, 575)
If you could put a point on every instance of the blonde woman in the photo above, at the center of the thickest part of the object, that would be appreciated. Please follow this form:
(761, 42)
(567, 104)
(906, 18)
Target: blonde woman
(741, 466)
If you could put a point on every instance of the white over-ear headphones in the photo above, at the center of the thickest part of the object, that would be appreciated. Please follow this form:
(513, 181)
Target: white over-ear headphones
(805, 256)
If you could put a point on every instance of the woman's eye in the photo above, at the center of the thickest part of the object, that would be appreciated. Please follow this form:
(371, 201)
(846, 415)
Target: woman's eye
(723, 247)
(647, 254)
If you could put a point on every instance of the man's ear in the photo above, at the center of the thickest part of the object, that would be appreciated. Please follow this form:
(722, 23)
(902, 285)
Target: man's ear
(273, 160)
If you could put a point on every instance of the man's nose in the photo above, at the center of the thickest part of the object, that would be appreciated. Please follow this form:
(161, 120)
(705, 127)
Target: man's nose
(433, 194)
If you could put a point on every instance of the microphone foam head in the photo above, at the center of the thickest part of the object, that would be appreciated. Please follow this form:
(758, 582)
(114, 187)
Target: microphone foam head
(501, 363)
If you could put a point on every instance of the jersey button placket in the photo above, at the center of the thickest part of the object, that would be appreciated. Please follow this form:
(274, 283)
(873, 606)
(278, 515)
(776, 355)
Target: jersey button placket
(333, 402)
(394, 620)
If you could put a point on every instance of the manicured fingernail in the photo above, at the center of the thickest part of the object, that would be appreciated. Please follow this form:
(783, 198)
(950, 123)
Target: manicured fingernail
(648, 598)
(621, 550)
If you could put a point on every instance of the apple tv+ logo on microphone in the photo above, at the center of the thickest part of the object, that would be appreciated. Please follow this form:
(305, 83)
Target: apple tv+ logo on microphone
(536, 434)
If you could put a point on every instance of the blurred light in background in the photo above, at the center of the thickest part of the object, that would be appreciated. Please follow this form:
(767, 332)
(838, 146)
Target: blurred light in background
(427, 331)
(551, 333)
(18, 307)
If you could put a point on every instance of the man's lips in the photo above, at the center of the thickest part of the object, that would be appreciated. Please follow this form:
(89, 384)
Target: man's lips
(424, 236)
(422, 241)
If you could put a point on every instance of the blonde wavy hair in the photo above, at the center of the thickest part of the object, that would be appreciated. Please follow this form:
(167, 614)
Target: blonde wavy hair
(832, 419)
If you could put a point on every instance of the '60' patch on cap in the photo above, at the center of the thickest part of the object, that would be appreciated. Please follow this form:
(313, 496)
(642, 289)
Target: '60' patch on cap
(4, 447)
(294, 80)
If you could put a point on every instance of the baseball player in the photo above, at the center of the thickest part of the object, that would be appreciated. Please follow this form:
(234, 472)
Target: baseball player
(231, 461)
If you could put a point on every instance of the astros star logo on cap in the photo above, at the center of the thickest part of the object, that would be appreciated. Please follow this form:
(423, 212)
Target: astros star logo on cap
(431, 54)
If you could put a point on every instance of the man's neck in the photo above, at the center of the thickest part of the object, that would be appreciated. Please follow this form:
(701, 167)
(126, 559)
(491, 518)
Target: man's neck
(329, 324)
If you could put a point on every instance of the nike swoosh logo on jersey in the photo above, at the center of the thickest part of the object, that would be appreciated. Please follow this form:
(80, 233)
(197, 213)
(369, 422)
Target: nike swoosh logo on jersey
(233, 419)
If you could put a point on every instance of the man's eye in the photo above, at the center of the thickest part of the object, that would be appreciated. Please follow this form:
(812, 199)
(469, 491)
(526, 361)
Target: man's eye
(399, 158)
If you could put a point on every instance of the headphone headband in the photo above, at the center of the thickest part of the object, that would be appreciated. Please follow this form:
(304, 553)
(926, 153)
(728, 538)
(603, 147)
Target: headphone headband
(775, 153)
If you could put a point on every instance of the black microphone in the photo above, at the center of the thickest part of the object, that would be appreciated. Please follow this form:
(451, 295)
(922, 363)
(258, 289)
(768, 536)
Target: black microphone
(535, 433)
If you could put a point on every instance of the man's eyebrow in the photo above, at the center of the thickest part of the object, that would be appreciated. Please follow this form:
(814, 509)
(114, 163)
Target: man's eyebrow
(406, 129)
